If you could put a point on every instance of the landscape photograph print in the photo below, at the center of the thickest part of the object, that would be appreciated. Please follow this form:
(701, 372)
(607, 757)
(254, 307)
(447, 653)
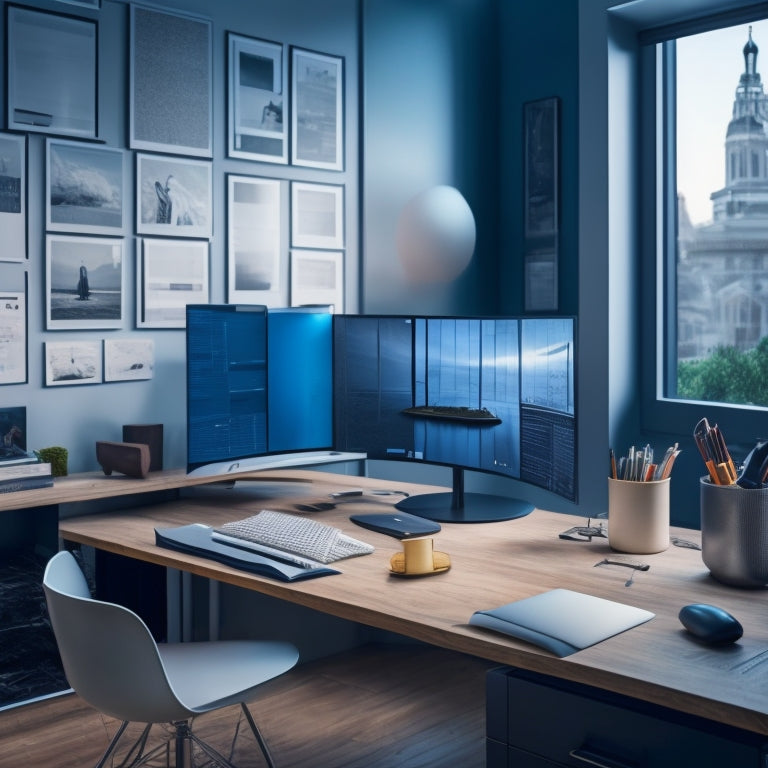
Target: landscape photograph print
(84, 188)
(84, 282)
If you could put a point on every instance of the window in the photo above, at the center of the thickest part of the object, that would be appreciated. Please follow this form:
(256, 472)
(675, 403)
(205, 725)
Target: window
(715, 214)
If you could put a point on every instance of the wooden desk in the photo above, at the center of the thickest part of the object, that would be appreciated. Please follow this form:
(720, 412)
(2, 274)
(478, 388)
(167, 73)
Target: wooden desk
(492, 564)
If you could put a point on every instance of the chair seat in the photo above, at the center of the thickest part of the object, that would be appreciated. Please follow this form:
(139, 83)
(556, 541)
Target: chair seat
(209, 675)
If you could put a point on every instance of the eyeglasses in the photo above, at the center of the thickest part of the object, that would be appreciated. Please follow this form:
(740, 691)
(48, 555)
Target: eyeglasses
(626, 564)
(585, 532)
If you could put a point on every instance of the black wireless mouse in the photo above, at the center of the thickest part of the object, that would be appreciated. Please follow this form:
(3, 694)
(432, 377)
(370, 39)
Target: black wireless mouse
(710, 624)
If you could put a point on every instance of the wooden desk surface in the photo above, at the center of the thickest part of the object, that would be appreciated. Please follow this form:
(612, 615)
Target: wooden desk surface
(492, 564)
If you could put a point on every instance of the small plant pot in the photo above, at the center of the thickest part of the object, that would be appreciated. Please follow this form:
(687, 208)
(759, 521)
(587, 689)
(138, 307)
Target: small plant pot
(56, 456)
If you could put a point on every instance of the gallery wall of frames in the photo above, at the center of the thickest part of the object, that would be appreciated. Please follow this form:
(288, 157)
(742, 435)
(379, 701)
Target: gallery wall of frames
(127, 231)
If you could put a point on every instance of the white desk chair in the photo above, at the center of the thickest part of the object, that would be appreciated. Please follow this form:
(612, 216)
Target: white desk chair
(112, 661)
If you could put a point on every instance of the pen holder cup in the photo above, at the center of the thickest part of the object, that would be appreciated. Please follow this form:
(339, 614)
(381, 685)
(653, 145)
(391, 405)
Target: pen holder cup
(638, 516)
(734, 533)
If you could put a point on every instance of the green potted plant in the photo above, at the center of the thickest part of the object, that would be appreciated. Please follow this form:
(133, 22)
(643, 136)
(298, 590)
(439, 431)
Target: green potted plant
(57, 457)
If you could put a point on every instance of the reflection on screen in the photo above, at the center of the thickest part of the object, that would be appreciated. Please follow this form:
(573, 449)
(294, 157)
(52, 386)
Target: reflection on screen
(490, 394)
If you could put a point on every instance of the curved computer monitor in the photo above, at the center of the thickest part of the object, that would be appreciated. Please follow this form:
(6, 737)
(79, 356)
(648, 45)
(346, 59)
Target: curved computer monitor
(486, 394)
(259, 389)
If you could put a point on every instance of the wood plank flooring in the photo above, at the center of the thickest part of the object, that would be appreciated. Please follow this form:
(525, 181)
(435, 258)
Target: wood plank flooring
(379, 706)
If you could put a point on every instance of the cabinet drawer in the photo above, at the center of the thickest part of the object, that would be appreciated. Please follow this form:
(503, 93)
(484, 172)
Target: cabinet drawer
(571, 725)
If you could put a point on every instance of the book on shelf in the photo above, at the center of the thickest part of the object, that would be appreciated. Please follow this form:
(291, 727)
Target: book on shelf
(13, 459)
(15, 471)
(26, 483)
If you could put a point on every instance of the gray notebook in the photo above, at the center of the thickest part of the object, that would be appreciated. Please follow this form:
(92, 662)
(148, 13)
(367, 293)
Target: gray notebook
(562, 621)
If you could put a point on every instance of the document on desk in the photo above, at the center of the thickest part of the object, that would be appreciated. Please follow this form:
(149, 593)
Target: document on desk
(562, 621)
(197, 539)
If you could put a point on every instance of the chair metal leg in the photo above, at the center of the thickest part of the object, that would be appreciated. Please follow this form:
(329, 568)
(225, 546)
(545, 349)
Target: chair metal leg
(183, 737)
(112, 745)
(259, 737)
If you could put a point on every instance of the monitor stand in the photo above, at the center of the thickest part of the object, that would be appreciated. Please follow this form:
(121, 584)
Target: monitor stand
(455, 506)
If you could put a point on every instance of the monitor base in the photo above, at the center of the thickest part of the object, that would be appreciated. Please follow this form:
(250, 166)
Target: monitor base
(477, 507)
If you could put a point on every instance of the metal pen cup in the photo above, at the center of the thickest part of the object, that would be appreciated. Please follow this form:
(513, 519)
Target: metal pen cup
(638, 516)
(734, 533)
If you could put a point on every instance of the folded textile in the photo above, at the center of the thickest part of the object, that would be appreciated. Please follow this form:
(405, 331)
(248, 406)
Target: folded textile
(298, 535)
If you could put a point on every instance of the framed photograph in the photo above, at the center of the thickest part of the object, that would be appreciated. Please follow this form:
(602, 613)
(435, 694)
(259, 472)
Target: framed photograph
(541, 133)
(173, 196)
(51, 73)
(13, 335)
(170, 275)
(84, 280)
(254, 242)
(72, 362)
(256, 104)
(317, 277)
(13, 196)
(96, 4)
(541, 281)
(84, 187)
(317, 110)
(128, 359)
(317, 215)
(13, 428)
(171, 94)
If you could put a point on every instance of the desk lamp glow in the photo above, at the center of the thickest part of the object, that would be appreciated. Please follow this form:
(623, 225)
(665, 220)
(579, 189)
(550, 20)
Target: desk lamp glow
(435, 236)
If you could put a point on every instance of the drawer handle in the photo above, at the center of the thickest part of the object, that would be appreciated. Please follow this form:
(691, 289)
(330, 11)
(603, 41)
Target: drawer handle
(600, 761)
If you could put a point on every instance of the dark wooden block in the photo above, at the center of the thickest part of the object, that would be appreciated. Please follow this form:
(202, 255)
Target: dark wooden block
(130, 459)
(151, 435)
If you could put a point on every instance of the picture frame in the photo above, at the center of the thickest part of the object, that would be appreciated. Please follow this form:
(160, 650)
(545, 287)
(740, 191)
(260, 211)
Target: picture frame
(254, 241)
(174, 196)
(51, 73)
(129, 359)
(14, 331)
(317, 110)
(69, 363)
(13, 197)
(95, 4)
(170, 82)
(13, 427)
(540, 274)
(317, 277)
(256, 104)
(84, 282)
(85, 188)
(170, 274)
(317, 215)
(541, 171)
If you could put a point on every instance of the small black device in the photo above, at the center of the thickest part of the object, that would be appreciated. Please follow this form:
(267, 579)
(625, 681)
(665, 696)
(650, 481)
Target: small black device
(710, 624)
(401, 525)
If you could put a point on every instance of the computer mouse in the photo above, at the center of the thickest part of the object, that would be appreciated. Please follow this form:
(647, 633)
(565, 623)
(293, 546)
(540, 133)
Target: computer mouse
(710, 624)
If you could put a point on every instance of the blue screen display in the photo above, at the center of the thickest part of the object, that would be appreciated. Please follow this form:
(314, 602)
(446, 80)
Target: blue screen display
(490, 394)
(258, 382)
(300, 380)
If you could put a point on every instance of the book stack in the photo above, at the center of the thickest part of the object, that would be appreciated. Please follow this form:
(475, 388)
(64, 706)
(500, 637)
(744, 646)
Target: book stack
(24, 472)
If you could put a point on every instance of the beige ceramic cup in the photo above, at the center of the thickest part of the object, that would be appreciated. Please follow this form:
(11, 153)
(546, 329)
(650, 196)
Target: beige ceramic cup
(638, 516)
(418, 555)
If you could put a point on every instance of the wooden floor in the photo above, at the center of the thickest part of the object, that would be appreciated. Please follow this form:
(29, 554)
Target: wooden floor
(383, 706)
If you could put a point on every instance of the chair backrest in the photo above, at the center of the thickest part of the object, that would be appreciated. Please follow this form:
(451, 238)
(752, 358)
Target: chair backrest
(109, 655)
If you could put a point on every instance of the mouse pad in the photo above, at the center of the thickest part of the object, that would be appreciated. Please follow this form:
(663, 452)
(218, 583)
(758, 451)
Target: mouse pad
(562, 621)
(401, 525)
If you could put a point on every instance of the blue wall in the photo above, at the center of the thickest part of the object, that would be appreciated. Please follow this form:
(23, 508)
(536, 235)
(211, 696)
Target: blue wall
(77, 416)
(538, 59)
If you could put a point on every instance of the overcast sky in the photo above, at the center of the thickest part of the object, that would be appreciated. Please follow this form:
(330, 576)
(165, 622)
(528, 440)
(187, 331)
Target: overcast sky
(709, 67)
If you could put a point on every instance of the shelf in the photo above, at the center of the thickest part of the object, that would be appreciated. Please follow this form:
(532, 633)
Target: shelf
(90, 486)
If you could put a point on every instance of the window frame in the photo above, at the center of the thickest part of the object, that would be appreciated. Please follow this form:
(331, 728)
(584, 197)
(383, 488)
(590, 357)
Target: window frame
(658, 225)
